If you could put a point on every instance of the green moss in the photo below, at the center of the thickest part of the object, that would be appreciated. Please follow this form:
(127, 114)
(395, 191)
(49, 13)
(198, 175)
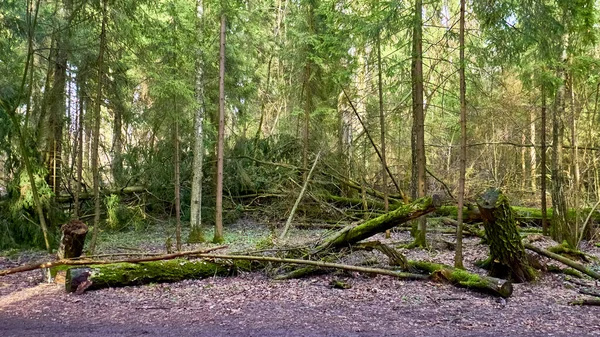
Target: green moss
(196, 235)
(572, 272)
(466, 279)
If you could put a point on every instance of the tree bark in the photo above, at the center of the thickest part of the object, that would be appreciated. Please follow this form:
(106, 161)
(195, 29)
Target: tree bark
(218, 236)
(567, 261)
(196, 234)
(507, 255)
(418, 138)
(96, 130)
(543, 164)
(73, 239)
(458, 256)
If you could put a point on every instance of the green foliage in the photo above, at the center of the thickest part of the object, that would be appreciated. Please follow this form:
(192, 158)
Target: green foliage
(121, 216)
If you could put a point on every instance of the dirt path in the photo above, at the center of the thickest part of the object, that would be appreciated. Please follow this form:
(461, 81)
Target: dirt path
(253, 305)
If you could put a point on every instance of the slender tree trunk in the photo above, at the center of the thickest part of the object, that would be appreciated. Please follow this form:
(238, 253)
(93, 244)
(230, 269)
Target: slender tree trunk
(560, 226)
(177, 178)
(543, 164)
(458, 257)
(308, 90)
(196, 234)
(532, 154)
(418, 141)
(574, 154)
(80, 118)
(218, 237)
(382, 128)
(96, 130)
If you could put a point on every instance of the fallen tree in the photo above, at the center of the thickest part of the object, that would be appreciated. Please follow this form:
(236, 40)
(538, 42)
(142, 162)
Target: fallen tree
(86, 261)
(564, 260)
(521, 214)
(128, 274)
(353, 234)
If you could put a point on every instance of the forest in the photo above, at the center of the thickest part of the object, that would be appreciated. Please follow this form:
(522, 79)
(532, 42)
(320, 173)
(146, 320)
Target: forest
(435, 159)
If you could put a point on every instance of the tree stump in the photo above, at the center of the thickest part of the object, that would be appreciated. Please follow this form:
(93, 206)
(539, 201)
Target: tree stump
(507, 254)
(73, 238)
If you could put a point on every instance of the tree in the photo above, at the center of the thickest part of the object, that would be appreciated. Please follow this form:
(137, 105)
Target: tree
(96, 128)
(196, 197)
(458, 258)
(418, 129)
(218, 236)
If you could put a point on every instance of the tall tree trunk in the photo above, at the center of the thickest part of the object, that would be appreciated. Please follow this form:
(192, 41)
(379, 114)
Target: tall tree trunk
(574, 154)
(560, 225)
(79, 145)
(543, 164)
(418, 137)
(458, 257)
(196, 234)
(308, 90)
(532, 154)
(177, 178)
(218, 237)
(117, 146)
(96, 130)
(382, 128)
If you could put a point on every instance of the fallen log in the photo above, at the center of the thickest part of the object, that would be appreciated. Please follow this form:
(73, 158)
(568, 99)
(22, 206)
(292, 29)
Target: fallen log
(84, 261)
(521, 214)
(61, 198)
(127, 274)
(463, 278)
(564, 260)
(354, 234)
(594, 302)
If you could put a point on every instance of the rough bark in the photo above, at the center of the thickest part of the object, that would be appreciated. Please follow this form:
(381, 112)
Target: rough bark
(543, 164)
(458, 256)
(218, 236)
(96, 131)
(73, 239)
(507, 254)
(418, 138)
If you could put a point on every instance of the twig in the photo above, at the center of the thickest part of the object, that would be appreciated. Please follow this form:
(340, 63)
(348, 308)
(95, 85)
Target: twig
(300, 196)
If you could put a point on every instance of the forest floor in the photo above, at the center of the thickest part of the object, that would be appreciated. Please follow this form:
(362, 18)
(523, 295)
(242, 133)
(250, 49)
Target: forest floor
(252, 304)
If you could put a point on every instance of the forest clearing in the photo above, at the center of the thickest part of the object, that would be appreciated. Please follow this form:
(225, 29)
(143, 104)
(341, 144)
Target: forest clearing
(299, 168)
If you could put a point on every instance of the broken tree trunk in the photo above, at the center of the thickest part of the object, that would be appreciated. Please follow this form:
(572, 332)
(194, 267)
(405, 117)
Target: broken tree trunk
(465, 279)
(568, 262)
(507, 254)
(351, 235)
(73, 238)
(128, 274)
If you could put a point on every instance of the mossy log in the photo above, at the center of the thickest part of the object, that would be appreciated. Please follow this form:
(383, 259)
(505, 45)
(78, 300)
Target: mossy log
(72, 240)
(568, 262)
(507, 254)
(354, 234)
(462, 278)
(524, 215)
(128, 274)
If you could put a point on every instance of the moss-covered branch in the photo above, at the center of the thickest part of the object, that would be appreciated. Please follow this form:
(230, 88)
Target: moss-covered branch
(402, 214)
(465, 279)
(568, 262)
